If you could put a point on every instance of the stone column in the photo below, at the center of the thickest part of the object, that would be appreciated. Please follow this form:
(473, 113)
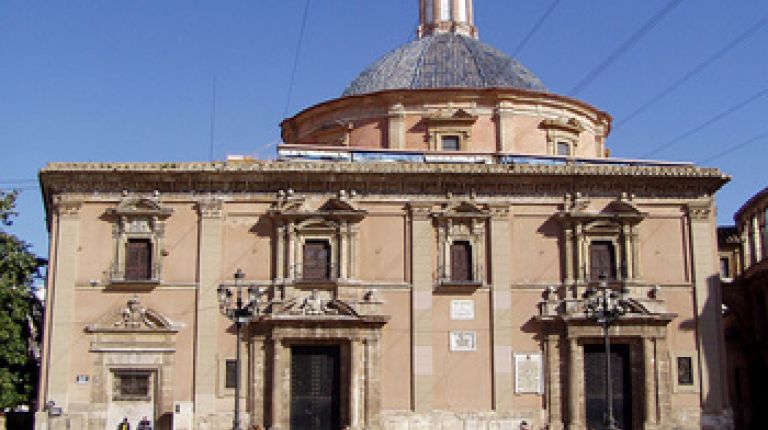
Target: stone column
(582, 251)
(422, 245)
(280, 272)
(568, 246)
(706, 280)
(63, 265)
(279, 418)
(257, 385)
(207, 310)
(649, 377)
(343, 251)
(554, 390)
(291, 254)
(664, 368)
(397, 129)
(636, 273)
(629, 268)
(356, 398)
(504, 127)
(575, 377)
(501, 301)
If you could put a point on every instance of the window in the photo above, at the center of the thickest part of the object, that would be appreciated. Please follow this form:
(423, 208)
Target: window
(230, 376)
(461, 12)
(725, 267)
(317, 260)
(131, 385)
(450, 142)
(429, 13)
(138, 260)
(461, 261)
(764, 235)
(684, 371)
(601, 260)
(563, 148)
(445, 10)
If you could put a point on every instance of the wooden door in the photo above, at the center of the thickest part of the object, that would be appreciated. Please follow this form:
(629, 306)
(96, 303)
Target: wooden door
(315, 388)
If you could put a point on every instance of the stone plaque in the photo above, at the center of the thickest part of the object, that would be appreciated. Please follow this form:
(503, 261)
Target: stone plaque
(528, 373)
(462, 309)
(463, 341)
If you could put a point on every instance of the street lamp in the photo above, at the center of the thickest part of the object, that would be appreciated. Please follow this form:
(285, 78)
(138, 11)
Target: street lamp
(605, 306)
(240, 312)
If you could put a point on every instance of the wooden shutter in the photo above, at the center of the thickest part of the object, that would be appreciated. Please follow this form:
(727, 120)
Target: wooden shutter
(317, 255)
(461, 261)
(601, 261)
(138, 260)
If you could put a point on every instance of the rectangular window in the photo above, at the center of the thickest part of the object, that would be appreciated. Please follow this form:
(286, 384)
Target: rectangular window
(450, 142)
(445, 10)
(429, 13)
(684, 371)
(563, 148)
(461, 12)
(317, 260)
(138, 260)
(230, 377)
(131, 385)
(725, 267)
(602, 264)
(461, 261)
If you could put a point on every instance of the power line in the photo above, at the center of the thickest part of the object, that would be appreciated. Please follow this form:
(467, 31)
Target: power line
(696, 70)
(296, 58)
(624, 47)
(535, 28)
(736, 147)
(706, 123)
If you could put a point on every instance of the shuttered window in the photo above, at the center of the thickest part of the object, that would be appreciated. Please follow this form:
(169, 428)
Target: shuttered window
(461, 261)
(317, 260)
(601, 260)
(138, 260)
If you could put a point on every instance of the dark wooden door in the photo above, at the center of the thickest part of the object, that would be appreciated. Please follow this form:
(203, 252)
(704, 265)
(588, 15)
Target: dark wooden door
(594, 385)
(138, 260)
(461, 261)
(315, 388)
(317, 258)
(601, 261)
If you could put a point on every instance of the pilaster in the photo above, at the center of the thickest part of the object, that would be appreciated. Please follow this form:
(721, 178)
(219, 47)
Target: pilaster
(576, 417)
(504, 127)
(649, 380)
(554, 388)
(62, 302)
(501, 298)
(397, 126)
(422, 246)
(207, 311)
(703, 250)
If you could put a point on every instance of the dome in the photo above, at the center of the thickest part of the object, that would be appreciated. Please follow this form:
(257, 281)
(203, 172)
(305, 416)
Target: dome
(444, 60)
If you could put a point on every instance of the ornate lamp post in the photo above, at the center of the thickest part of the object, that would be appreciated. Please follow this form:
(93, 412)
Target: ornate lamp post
(605, 306)
(239, 312)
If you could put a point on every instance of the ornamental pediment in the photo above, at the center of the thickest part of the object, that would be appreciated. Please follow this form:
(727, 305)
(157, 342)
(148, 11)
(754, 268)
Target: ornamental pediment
(462, 209)
(315, 304)
(133, 317)
(140, 206)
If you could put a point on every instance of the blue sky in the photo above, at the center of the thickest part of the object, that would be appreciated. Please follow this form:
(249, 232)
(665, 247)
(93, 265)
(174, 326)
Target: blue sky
(131, 80)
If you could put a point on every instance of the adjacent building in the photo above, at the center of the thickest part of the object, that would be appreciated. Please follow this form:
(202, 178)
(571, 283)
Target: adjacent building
(744, 271)
(417, 258)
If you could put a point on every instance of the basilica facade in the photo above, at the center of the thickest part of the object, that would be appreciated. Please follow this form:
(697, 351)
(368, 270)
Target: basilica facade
(420, 256)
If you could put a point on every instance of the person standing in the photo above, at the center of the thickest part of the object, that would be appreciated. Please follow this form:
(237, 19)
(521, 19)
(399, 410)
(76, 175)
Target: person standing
(144, 424)
(124, 424)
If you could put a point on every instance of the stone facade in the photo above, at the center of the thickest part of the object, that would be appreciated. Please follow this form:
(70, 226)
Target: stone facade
(434, 243)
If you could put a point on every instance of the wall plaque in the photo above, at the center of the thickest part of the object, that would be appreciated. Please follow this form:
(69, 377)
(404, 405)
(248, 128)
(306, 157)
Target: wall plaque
(528, 372)
(463, 341)
(462, 309)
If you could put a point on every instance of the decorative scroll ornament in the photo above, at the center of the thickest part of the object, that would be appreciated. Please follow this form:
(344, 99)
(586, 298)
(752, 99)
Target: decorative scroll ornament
(133, 317)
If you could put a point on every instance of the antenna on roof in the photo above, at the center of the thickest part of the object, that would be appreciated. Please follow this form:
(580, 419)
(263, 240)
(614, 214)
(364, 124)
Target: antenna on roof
(213, 119)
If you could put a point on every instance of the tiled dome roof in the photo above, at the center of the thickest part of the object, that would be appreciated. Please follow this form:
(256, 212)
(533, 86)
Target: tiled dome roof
(445, 60)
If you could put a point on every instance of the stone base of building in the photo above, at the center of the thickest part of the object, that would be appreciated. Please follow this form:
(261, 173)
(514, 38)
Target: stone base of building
(403, 420)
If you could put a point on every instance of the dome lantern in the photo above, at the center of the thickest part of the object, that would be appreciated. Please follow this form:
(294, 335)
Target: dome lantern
(446, 16)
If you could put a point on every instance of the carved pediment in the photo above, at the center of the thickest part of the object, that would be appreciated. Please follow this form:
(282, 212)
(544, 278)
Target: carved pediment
(571, 125)
(459, 116)
(462, 209)
(140, 206)
(315, 305)
(133, 317)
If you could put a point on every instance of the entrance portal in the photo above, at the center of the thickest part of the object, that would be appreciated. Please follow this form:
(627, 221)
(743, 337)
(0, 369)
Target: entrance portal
(594, 385)
(315, 382)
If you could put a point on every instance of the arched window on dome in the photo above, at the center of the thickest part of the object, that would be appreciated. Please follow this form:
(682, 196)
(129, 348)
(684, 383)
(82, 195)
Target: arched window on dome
(461, 12)
(446, 10)
(429, 12)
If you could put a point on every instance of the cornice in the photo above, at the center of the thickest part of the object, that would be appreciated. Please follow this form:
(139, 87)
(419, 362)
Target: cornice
(203, 179)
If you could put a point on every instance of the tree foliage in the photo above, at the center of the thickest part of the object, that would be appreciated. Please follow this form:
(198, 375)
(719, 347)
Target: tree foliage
(19, 312)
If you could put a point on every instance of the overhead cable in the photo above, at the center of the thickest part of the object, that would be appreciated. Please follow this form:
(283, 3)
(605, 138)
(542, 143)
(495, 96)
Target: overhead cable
(624, 47)
(296, 58)
(706, 123)
(734, 148)
(696, 70)
(535, 27)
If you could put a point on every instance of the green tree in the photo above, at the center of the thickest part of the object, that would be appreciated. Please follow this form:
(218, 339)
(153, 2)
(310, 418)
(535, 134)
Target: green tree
(19, 312)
